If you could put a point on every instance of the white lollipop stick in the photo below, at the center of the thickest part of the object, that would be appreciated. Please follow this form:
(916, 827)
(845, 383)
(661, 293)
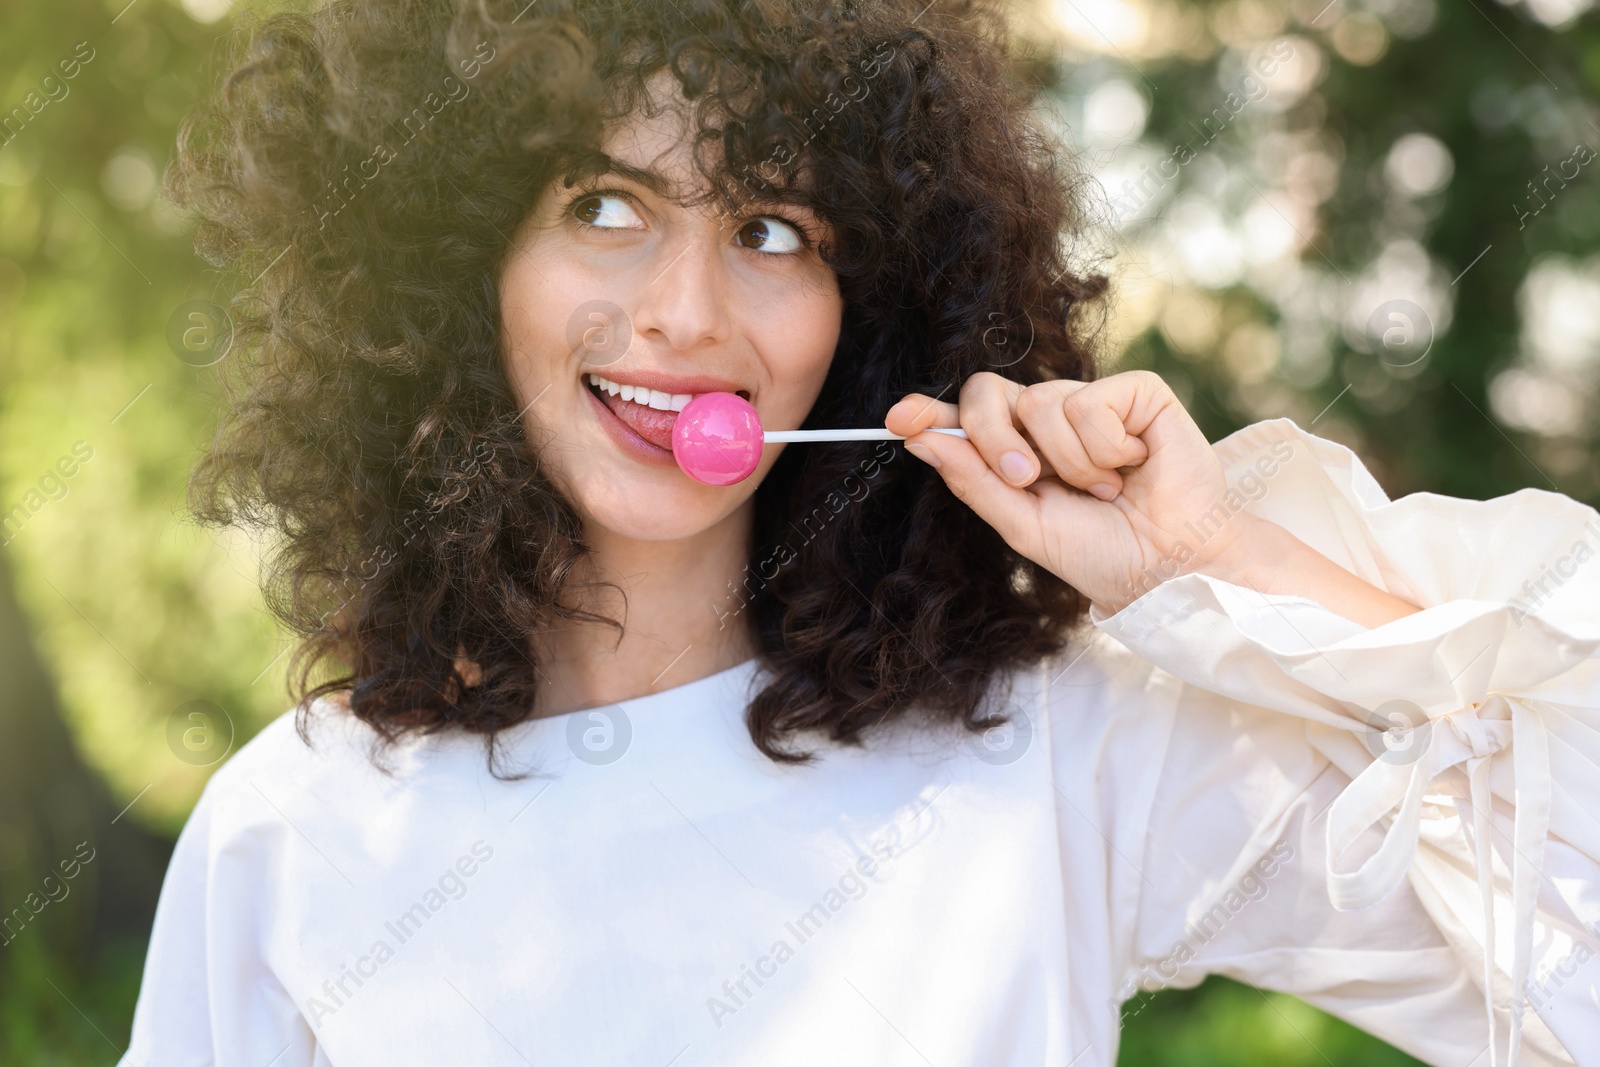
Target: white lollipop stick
(718, 438)
(774, 437)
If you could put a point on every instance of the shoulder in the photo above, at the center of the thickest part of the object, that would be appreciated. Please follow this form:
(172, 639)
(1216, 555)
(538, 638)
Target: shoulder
(317, 796)
(324, 738)
(1098, 686)
(1115, 722)
(323, 751)
(1094, 715)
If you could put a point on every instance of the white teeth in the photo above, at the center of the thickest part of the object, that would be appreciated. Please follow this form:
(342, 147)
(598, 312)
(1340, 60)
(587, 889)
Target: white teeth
(638, 394)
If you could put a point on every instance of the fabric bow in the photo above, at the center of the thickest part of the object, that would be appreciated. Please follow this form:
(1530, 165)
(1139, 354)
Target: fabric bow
(1394, 785)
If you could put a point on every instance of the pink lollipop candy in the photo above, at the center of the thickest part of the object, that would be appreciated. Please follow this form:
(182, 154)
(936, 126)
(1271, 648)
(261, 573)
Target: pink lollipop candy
(717, 438)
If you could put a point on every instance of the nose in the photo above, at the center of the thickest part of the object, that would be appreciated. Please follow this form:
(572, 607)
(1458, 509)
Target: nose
(683, 303)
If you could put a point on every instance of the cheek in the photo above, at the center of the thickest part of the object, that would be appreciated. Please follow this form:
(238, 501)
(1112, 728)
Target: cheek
(533, 342)
(798, 338)
(531, 359)
(541, 363)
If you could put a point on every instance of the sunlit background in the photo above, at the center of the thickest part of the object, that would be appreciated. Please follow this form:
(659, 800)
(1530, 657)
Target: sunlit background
(1377, 219)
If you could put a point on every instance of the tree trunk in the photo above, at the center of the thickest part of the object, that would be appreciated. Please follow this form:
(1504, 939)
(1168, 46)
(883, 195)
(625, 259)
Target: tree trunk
(71, 871)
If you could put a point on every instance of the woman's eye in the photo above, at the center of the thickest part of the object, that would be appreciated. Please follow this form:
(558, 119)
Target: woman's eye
(607, 212)
(770, 235)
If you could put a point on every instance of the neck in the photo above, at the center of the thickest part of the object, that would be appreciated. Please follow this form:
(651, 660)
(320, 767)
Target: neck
(678, 624)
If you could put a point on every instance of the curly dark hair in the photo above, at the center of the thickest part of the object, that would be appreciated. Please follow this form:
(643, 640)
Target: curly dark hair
(369, 162)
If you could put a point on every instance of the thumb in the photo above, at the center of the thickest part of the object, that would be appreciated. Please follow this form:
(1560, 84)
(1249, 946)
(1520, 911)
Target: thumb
(1013, 512)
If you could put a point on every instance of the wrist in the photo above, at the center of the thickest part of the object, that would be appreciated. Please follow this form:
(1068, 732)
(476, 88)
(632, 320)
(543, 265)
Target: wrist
(1238, 560)
(1267, 558)
(1234, 558)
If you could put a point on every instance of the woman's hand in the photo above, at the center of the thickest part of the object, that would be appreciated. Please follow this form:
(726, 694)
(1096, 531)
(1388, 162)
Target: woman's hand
(1107, 484)
(1112, 487)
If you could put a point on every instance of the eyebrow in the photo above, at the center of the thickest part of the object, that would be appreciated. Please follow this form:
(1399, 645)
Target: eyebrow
(600, 165)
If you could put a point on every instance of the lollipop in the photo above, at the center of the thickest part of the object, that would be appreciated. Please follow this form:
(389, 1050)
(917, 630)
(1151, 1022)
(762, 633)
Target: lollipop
(717, 438)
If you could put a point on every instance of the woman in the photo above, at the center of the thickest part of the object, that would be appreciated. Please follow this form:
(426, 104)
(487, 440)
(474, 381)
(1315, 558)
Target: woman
(599, 764)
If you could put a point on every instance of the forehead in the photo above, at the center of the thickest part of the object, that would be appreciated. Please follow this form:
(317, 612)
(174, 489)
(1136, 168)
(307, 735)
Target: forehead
(655, 143)
(656, 138)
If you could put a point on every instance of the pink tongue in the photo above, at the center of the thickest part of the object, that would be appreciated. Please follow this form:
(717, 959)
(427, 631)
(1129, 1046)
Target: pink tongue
(652, 425)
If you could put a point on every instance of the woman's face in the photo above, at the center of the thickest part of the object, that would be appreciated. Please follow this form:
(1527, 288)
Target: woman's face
(614, 278)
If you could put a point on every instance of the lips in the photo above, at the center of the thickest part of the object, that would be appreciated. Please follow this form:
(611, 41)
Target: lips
(647, 402)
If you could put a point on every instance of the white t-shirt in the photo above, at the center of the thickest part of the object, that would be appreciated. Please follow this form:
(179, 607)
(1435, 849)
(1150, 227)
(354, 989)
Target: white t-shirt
(659, 893)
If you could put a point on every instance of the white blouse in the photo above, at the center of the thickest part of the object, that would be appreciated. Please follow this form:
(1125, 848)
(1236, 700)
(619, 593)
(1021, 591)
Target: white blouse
(1195, 787)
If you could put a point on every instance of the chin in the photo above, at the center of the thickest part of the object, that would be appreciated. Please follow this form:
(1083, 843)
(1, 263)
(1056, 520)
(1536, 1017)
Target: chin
(644, 509)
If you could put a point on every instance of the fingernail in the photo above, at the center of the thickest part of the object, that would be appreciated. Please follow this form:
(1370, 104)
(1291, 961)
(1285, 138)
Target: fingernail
(1104, 490)
(1016, 468)
(924, 453)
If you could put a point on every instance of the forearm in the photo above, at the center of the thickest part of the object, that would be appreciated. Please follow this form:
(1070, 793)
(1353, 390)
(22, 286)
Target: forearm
(1269, 559)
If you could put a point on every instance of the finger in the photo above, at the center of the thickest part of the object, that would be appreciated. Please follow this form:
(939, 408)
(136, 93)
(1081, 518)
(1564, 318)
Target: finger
(1102, 411)
(916, 412)
(1013, 512)
(989, 415)
(1041, 409)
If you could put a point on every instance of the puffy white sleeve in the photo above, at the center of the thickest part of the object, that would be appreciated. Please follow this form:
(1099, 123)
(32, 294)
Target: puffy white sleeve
(1401, 824)
(208, 998)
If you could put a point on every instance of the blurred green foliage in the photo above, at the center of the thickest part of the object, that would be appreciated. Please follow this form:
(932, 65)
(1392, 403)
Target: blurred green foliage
(56, 1015)
(1221, 1022)
(1428, 169)
(136, 611)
